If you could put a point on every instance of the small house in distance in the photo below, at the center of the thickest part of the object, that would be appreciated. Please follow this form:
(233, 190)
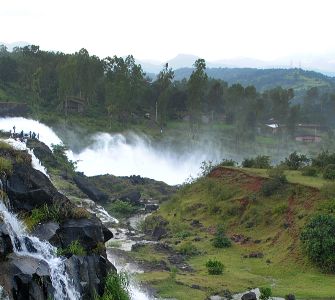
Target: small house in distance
(74, 104)
(308, 138)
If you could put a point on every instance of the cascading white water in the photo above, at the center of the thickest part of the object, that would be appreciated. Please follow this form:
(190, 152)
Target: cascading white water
(125, 155)
(30, 246)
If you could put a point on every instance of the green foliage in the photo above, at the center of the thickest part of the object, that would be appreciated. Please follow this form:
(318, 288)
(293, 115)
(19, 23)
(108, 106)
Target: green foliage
(122, 208)
(278, 174)
(214, 267)
(183, 234)
(116, 287)
(259, 162)
(323, 159)
(75, 248)
(60, 155)
(220, 239)
(328, 191)
(295, 161)
(228, 163)
(266, 293)
(6, 166)
(329, 172)
(275, 183)
(318, 240)
(206, 167)
(43, 214)
(188, 249)
(309, 171)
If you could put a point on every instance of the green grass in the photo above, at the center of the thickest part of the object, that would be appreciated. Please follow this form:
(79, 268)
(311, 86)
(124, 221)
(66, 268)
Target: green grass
(293, 177)
(230, 200)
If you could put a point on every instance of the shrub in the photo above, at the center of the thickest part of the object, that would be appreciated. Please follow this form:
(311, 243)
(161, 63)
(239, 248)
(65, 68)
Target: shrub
(228, 163)
(277, 181)
(75, 248)
(6, 165)
(277, 173)
(188, 249)
(309, 171)
(329, 172)
(183, 234)
(220, 239)
(318, 240)
(323, 159)
(42, 214)
(206, 167)
(295, 161)
(122, 208)
(214, 267)
(266, 293)
(259, 162)
(116, 287)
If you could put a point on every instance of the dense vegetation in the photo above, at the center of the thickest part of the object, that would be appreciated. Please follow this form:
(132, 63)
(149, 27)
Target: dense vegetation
(117, 89)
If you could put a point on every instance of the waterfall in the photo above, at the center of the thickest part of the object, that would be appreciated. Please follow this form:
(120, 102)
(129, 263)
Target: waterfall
(30, 246)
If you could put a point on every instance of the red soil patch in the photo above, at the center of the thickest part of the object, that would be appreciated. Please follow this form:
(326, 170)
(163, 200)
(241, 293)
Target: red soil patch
(252, 183)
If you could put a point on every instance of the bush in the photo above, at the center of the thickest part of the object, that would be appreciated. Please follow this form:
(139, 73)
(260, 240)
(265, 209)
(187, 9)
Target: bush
(309, 171)
(323, 159)
(266, 293)
(318, 240)
(188, 249)
(277, 173)
(220, 239)
(295, 161)
(329, 172)
(116, 287)
(228, 163)
(206, 167)
(214, 267)
(122, 208)
(259, 162)
(75, 248)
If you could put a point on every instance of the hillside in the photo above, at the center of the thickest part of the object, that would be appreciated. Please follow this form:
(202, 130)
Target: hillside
(264, 79)
(264, 231)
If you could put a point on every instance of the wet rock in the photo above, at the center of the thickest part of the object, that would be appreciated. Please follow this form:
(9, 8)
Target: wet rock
(25, 278)
(132, 197)
(29, 245)
(5, 242)
(47, 231)
(88, 272)
(249, 296)
(151, 207)
(159, 232)
(88, 232)
(29, 188)
(290, 297)
(137, 246)
(89, 189)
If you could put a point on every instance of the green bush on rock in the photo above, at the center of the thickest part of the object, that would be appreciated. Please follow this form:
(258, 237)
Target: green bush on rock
(214, 267)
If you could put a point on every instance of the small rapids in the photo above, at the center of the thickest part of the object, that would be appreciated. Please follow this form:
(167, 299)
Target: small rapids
(30, 246)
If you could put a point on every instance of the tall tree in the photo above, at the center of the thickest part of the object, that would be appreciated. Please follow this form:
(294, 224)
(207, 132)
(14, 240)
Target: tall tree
(196, 91)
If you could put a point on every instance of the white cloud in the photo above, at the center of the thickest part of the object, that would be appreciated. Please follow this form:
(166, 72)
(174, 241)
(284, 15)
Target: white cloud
(159, 29)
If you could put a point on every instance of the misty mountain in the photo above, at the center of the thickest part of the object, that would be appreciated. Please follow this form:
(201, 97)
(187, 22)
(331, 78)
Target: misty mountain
(11, 46)
(264, 79)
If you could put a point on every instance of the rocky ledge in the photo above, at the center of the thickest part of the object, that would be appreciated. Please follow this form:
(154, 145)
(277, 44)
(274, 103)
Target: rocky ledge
(52, 217)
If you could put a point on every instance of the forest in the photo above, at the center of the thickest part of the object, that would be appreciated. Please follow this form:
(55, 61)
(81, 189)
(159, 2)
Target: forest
(117, 88)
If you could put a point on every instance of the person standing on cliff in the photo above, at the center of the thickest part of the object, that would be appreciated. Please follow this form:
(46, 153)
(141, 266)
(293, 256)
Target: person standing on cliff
(14, 129)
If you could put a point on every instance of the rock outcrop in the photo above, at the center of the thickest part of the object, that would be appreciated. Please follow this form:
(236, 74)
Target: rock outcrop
(27, 277)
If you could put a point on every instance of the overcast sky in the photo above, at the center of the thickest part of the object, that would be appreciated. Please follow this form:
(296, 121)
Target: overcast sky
(159, 30)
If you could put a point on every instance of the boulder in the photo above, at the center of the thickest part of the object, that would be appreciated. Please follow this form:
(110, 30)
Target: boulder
(89, 189)
(89, 232)
(249, 296)
(46, 231)
(88, 272)
(290, 297)
(26, 278)
(151, 207)
(5, 242)
(132, 197)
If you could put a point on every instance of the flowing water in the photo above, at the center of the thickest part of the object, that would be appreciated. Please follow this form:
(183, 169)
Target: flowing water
(30, 246)
(127, 154)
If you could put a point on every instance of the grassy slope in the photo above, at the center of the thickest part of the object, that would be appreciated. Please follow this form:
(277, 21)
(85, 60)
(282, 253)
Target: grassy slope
(232, 197)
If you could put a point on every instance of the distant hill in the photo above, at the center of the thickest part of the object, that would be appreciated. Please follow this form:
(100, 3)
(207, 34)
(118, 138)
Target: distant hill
(264, 79)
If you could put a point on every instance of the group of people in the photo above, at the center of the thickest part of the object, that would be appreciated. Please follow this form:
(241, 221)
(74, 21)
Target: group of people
(23, 137)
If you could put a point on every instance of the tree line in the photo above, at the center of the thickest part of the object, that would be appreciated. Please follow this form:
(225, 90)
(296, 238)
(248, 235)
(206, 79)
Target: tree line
(119, 88)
